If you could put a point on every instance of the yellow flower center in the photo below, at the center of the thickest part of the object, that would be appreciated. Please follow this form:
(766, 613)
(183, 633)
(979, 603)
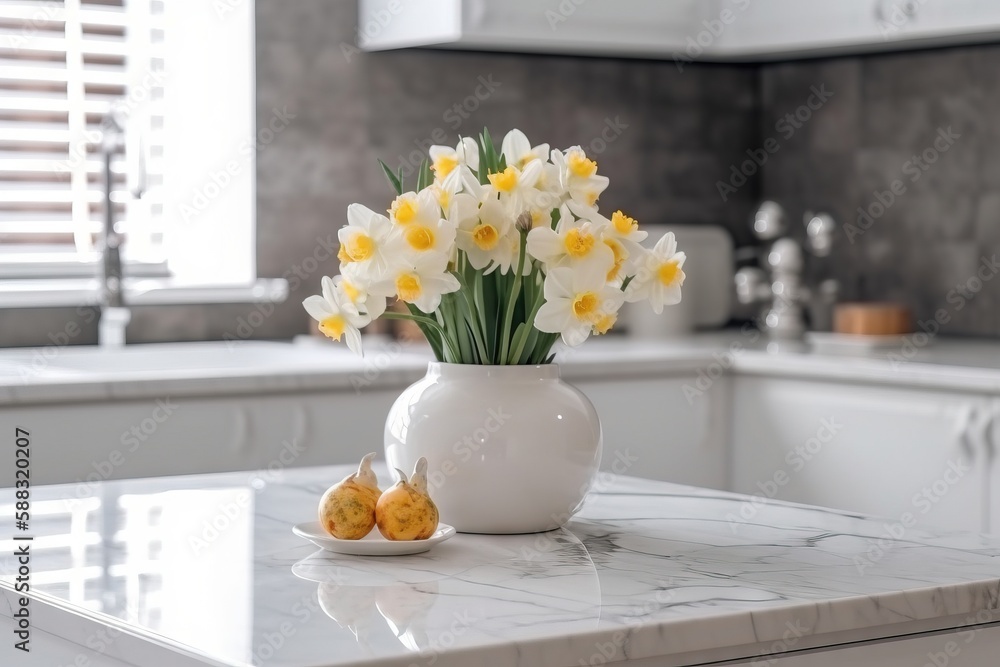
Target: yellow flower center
(539, 218)
(579, 165)
(670, 273)
(333, 327)
(351, 291)
(585, 305)
(343, 256)
(360, 247)
(591, 197)
(620, 254)
(403, 210)
(624, 225)
(603, 323)
(578, 243)
(420, 237)
(485, 236)
(505, 181)
(444, 165)
(408, 287)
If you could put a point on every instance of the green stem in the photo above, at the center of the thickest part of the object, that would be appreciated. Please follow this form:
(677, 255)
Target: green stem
(472, 319)
(530, 321)
(505, 341)
(426, 321)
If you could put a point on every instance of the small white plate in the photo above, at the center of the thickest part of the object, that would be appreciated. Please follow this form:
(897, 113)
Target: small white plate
(372, 544)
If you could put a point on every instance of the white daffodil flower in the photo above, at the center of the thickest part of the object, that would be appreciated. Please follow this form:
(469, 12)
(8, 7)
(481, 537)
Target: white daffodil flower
(363, 244)
(516, 187)
(573, 243)
(337, 316)
(577, 301)
(436, 238)
(484, 233)
(621, 233)
(518, 151)
(418, 227)
(578, 176)
(421, 282)
(446, 160)
(420, 208)
(366, 304)
(660, 276)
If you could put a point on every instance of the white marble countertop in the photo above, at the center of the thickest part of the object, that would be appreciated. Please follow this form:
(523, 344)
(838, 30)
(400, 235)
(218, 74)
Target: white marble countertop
(205, 570)
(65, 374)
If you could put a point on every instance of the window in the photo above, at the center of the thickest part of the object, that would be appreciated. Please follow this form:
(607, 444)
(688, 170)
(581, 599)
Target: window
(178, 75)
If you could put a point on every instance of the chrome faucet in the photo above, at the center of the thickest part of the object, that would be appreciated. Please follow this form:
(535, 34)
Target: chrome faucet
(115, 316)
(784, 294)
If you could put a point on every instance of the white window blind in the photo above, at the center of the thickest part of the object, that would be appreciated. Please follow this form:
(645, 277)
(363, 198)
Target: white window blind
(64, 65)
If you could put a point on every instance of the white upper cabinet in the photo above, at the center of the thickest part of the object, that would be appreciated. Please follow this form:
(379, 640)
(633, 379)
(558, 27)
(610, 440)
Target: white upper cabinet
(623, 27)
(719, 30)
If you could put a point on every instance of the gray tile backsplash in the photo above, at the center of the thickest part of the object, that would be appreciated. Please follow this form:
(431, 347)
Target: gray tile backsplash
(665, 137)
(925, 124)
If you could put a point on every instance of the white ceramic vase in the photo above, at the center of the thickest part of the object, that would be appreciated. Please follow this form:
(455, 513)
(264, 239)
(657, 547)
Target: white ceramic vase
(510, 449)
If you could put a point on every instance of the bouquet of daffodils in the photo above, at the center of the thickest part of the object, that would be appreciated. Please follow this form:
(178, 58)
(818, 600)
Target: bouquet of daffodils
(496, 256)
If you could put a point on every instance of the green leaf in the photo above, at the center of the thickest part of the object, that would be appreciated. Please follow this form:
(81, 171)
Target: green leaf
(503, 162)
(556, 215)
(491, 151)
(483, 166)
(394, 181)
(423, 174)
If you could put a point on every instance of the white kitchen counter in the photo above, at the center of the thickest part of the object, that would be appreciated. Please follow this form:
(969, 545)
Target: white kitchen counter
(69, 374)
(205, 570)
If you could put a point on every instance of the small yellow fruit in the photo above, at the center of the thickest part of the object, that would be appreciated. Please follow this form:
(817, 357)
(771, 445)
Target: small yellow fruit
(406, 511)
(347, 509)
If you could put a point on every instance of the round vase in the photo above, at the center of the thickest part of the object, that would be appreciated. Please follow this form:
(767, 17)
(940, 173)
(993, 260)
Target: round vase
(510, 449)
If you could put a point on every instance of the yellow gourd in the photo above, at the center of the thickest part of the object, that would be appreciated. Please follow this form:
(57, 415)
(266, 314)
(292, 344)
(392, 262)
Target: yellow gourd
(406, 511)
(347, 509)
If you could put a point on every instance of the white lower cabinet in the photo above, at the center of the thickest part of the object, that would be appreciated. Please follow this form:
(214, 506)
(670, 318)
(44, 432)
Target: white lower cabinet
(918, 458)
(90, 442)
(656, 429)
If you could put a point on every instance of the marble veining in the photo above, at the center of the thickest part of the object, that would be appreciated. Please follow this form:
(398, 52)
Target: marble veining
(646, 570)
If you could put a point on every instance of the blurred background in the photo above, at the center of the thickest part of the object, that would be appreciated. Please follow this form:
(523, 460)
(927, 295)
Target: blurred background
(668, 131)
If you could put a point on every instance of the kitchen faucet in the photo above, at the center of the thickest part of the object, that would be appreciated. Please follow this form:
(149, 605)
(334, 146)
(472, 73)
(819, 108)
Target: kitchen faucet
(783, 294)
(114, 316)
